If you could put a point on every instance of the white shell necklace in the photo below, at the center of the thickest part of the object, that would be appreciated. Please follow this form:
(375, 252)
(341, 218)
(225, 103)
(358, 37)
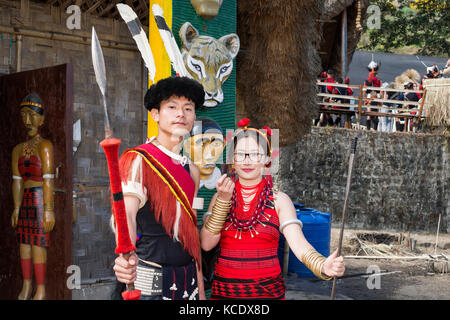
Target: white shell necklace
(181, 159)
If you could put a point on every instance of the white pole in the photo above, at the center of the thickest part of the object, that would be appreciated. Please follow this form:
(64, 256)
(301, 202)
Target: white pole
(344, 35)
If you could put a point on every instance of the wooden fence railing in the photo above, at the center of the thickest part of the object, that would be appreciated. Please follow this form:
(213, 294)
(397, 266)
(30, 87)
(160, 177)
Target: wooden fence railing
(409, 110)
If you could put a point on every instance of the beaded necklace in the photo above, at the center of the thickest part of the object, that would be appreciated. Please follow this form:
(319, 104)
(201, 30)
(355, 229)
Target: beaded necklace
(30, 146)
(245, 213)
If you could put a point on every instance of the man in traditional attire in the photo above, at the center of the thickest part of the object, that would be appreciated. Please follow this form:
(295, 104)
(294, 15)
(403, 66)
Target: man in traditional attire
(372, 81)
(159, 187)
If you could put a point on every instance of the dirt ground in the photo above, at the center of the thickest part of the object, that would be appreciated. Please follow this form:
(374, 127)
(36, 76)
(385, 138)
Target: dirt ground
(399, 279)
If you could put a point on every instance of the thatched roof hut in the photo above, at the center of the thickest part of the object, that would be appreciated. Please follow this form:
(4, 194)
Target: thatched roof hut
(284, 47)
(437, 104)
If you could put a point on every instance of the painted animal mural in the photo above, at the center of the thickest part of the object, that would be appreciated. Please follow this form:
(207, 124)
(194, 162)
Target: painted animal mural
(208, 60)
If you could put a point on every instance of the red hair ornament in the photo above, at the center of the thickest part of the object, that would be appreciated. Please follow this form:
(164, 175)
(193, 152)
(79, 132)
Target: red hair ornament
(244, 123)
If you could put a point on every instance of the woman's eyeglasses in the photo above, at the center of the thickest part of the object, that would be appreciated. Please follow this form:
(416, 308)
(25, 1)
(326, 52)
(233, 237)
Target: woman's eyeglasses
(253, 156)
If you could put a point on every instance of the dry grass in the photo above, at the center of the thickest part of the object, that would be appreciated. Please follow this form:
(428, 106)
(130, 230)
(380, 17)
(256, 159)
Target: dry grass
(409, 75)
(437, 103)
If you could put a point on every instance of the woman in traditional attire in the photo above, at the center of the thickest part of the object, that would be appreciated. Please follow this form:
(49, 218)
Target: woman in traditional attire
(246, 217)
(33, 215)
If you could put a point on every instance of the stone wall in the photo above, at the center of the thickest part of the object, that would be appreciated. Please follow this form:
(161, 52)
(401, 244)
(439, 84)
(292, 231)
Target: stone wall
(93, 241)
(400, 181)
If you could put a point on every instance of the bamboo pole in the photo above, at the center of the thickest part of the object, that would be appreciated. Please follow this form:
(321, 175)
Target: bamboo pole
(360, 104)
(342, 85)
(58, 36)
(422, 257)
(344, 44)
(18, 53)
(339, 104)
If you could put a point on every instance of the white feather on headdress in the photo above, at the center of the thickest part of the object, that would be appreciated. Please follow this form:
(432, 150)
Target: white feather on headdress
(170, 44)
(139, 36)
(373, 65)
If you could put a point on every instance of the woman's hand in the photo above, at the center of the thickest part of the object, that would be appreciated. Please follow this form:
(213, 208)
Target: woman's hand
(334, 266)
(225, 187)
(124, 269)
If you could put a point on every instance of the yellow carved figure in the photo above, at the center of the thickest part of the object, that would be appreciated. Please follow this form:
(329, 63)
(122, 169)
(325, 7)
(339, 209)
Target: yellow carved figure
(208, 60)
(33, 216)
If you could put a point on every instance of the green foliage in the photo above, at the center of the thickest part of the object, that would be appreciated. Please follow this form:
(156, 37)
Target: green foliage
(423, 24)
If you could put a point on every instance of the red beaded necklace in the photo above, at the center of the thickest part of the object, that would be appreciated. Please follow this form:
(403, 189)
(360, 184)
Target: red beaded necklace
(247, 207)
(30, 146)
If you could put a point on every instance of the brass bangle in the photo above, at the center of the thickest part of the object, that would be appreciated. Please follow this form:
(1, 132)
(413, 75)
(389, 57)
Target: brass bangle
(314, 261)
(223, 201)
(218, 216)
(210, 229)
(215, 223)
(219, 210)
(213, 228)
(222, 206)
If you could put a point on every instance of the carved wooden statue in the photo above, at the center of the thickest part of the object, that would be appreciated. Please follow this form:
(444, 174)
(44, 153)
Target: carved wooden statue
(33, 216)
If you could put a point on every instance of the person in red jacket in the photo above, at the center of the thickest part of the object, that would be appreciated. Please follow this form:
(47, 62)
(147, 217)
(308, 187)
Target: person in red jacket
(330, 79)
(372, 81)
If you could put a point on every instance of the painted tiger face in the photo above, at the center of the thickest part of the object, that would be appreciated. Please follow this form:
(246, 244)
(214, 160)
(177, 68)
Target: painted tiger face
(208, 60)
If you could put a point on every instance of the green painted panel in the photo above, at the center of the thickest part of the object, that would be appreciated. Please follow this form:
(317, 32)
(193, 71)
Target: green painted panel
(225, 23)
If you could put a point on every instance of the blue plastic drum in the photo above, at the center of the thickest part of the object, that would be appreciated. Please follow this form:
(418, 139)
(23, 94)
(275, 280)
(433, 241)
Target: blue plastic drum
(317, 230)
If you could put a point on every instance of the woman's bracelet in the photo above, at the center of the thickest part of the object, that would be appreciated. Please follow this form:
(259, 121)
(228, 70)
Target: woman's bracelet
(218, 216)
(314, 261)
(286, 223)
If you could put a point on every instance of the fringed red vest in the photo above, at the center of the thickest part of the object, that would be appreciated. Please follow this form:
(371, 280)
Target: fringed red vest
(167, 182)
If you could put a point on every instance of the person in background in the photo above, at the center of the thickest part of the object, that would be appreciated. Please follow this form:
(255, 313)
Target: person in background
(400, 123)
(342, 92)
(348, 118)
(372, 81)
(330, 79)
(412, 96)
(385, 123)
(321, 89)
(326, 118)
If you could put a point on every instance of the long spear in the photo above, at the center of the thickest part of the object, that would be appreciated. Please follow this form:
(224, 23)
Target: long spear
(347, 191)
(111, 147)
